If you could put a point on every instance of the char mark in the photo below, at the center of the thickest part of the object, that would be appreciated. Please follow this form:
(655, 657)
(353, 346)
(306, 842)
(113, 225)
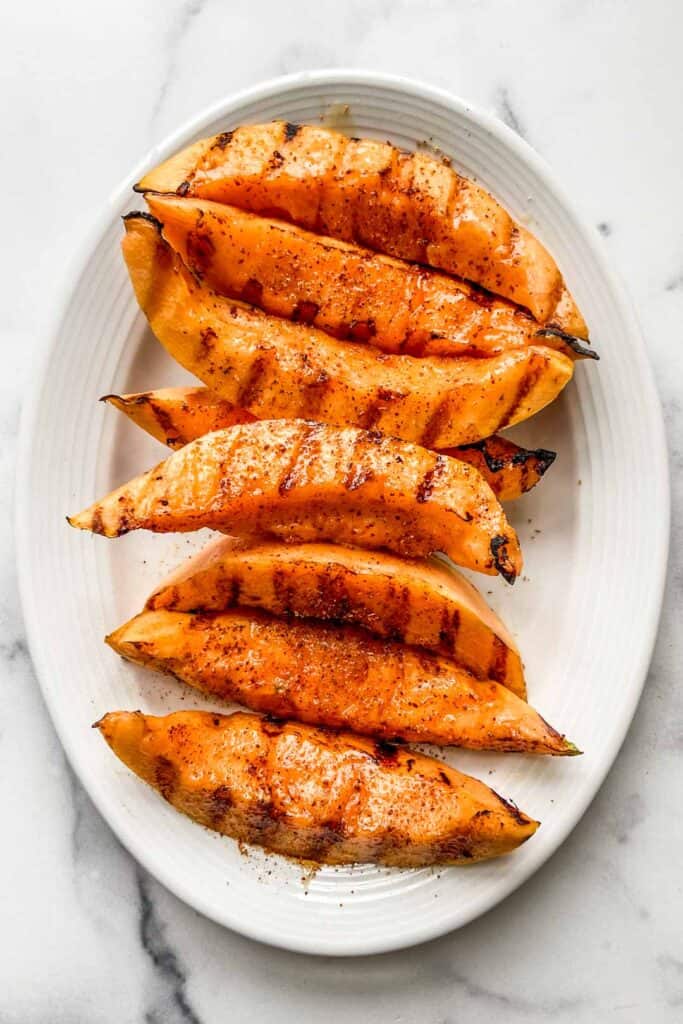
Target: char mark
(332, 600)
(450, 625)
(305, 312)
(200, 252)
(512, 807)
(313, 394)
(501, 561)
(426, 485)
(377, 406)
(493, 463)
(220, 803)
(252, 292)
(356, 477)
(544, 459)
(143, 215)
(289, 478)
(362, 330)
(272, 725)
(233, 592)
(385, 753)
(207, 339)
(98, 523)
(223, 140)
(481, 296)
(529, 379)
(283, 592)
(436, 422)
(162, 418)
(499, 658)
(457, 847)
(399, 620)
(250, 388)
(166, 777)
(575, 344)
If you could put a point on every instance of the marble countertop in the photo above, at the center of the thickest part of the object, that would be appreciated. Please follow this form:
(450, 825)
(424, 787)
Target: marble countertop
(596, 88)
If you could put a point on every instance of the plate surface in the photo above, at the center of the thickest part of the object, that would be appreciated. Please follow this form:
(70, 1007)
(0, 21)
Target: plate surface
(595, 537)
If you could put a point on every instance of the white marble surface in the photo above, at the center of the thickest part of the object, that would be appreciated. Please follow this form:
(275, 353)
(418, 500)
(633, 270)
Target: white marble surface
(87, 937)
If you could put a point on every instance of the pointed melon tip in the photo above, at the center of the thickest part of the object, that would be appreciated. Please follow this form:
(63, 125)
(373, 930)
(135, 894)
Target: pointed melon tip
(137, 215)
(116, 640)
(544, 459)
(82, 521)
(120, 402)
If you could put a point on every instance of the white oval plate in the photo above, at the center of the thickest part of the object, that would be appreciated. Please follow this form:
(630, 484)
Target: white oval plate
(595, 537)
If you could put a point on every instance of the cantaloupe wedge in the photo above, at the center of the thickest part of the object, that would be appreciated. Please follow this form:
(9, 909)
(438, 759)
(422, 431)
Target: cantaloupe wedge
(335, 676)
(410, 205)
(410, 600)
(176, 416)
(345, 290)
(274, 368)
(321, 796)
(303, 481)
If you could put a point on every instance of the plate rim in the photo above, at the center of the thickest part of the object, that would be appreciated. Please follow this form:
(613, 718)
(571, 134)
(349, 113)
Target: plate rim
(47, 345)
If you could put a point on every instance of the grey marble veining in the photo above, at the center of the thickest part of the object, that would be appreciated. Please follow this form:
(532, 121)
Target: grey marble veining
(507, 112)
(87, 936)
